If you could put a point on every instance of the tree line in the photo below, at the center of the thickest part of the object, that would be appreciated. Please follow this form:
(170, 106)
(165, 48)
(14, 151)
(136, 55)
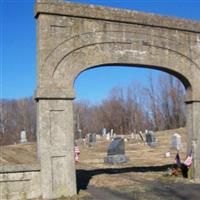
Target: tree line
(17, 115)
(133, 108)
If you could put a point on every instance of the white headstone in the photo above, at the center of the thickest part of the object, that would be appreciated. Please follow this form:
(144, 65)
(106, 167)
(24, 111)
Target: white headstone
(103, 132)
(108, 136)
(132, 135)
(167, 154)
(111, 133)
(176, 141)
(23, 138)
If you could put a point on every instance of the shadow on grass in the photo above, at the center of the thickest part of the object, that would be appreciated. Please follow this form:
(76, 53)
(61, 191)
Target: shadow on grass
(83, 176)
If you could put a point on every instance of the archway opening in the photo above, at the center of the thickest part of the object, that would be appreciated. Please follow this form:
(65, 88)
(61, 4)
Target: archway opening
(137, 100)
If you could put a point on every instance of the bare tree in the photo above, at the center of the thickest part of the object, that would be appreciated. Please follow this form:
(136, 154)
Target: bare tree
(15, 116)
(158, 106)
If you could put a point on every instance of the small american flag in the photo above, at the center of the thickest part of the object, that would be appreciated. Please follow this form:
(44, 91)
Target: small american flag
(188, 160)
(76, 150)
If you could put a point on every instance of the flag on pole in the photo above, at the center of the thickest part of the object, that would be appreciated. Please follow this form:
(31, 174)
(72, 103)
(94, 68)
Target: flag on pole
(188, 160)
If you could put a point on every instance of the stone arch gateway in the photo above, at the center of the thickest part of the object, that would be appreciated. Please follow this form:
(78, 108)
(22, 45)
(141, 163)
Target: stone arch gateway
(72, 38)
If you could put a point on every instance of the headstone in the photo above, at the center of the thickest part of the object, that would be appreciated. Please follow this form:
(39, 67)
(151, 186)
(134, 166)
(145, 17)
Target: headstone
(88, 139)
(108, 136)
(176, 141)
(132, 135)
(94, 138)
(103, 132)
(116, 152)
(116, 147)
(79, 133)
(111, 133)
(23, 138)
(167, 154)
(91, 139)
(150, 138)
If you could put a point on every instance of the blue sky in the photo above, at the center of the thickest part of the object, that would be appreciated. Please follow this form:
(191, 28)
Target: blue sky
(18, 48)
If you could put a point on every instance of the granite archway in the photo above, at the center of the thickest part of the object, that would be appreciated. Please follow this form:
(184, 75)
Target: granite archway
(73, 38)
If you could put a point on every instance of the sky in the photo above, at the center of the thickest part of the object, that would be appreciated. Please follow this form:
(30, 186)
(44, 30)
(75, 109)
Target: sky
(18, 48)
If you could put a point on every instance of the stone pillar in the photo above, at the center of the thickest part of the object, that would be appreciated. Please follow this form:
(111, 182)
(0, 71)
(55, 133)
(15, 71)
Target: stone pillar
(56, 148)
(189, 125)
(193, 128)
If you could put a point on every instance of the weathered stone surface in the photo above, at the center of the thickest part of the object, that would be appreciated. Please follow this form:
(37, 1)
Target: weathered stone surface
(72, 38)
(151, 139)
(116, 159)
(116, 152)
(176, 141)
(19, 168)
(20, 182)
(116, 147)
(56, 148)
(114, 14)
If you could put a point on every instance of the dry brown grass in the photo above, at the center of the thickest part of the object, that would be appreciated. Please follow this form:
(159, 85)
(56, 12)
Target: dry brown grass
(18, 154)
(92, 159)
(139, 153)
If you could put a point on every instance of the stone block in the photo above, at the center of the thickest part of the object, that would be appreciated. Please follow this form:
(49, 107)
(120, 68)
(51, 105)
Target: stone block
(116, 159)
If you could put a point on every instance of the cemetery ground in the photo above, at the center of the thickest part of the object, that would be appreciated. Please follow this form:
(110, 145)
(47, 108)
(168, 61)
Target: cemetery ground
(144, 177)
